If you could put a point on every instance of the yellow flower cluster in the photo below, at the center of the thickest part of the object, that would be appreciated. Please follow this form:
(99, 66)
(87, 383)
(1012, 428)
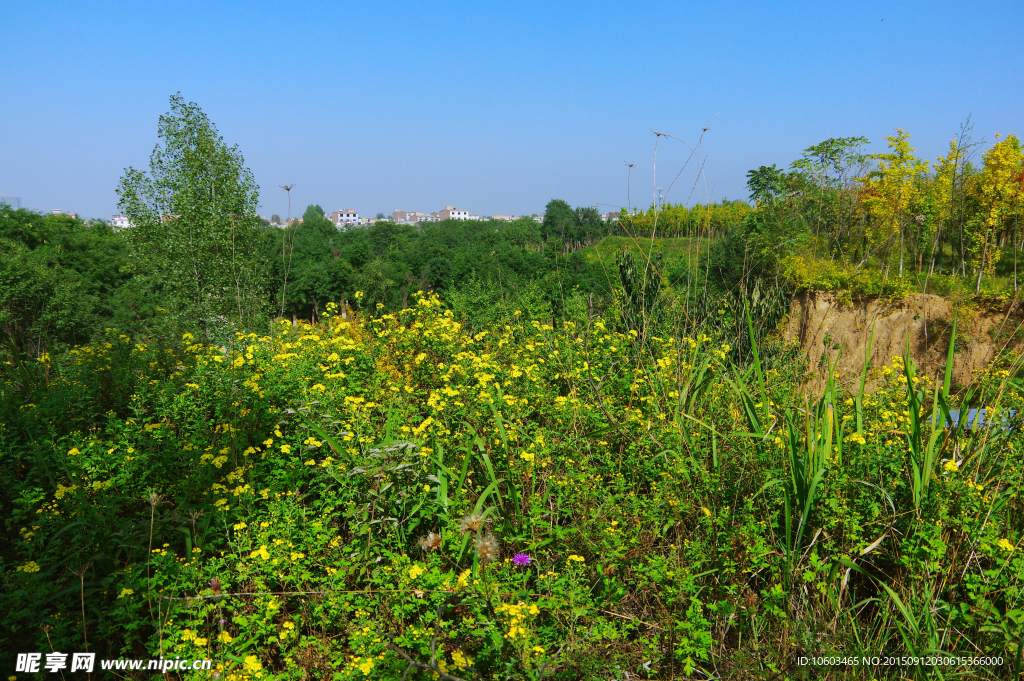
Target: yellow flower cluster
(516, 615)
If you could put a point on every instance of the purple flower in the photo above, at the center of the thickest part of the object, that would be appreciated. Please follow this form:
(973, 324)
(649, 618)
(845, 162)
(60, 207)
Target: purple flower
(521, 560)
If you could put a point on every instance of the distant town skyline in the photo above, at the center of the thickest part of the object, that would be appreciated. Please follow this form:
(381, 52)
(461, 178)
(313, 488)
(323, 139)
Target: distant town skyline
(494, 110)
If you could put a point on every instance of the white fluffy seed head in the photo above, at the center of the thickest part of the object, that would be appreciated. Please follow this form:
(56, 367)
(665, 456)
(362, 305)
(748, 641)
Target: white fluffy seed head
(431, 542)
(488, 548)
(471, 523)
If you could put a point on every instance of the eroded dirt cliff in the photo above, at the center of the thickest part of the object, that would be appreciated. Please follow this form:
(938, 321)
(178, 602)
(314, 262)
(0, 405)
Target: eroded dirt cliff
(825, 328)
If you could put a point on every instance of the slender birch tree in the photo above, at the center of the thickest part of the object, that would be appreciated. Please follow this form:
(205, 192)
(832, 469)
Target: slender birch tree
(195, 225)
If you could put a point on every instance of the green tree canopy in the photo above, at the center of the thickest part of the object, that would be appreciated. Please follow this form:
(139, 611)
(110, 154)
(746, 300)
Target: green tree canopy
(558, 217)
(314, 214)
(196, 223)
(766, 184)
(60, 280)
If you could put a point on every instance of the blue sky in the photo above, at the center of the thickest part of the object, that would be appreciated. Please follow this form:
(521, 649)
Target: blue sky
(495, 107)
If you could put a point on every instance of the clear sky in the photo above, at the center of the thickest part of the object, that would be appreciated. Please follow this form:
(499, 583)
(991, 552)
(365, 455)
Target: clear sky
(495, 107)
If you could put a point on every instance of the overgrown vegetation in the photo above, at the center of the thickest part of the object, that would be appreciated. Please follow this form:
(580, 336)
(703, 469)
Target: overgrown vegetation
(565, 450)
(345, 500)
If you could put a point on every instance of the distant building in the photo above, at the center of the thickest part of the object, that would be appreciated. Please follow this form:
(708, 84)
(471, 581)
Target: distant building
(346, 217)
(407, 217)
(611, 217)
(58, 211)
(504, 218)
(451, 213)
(12, 201)
(412, 217)
(120, 222)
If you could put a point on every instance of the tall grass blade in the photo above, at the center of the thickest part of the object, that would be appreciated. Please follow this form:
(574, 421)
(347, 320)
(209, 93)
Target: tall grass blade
(948, 375)
(753, 348)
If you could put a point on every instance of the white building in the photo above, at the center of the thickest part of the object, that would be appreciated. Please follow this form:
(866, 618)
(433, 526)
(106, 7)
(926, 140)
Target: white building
(346, 217)
(119, 222)
(452, 213)
(504, 218)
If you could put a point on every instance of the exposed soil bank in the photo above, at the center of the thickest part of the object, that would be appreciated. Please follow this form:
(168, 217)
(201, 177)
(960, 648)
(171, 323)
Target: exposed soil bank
(825, 327)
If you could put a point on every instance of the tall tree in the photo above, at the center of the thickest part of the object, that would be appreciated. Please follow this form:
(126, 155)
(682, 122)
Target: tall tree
(890, 191)
(558, 218)
(999, 188)
(766, 185)
(829, 170)
(195, 224)
(314, 214)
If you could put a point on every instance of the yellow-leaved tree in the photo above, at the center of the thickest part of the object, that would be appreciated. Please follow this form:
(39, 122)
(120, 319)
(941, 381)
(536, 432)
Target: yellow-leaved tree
(888, 192)
(943, 187)
(999, 189)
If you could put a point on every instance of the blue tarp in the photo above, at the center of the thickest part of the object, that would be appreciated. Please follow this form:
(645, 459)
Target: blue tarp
(977, 418)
